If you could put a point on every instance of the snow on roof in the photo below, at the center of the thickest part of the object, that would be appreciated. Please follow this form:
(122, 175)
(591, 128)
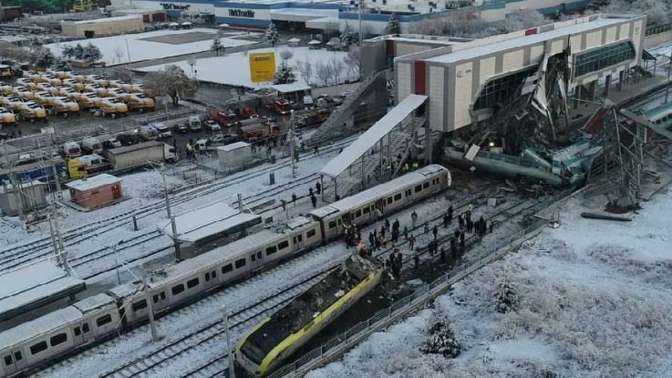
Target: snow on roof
(220, 254)
(293, 40)
(296, 86)
(93, 303)
(367, 140)
(208, 221)
(39, 327)
(134, 147)
(499, 46)
(93, 182)
(233, 146)
(34, 285)
(314, 42)
(106, 19)
(378, 191)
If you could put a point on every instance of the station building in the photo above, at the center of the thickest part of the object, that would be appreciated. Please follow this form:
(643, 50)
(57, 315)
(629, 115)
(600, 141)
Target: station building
(465, 80)
(336, 14)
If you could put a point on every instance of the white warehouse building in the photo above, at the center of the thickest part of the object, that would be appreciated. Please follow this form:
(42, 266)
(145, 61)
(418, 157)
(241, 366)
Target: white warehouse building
(465, 81)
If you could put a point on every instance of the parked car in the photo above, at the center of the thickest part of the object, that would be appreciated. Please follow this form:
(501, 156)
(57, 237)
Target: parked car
(163, 129)
(212, 126)
(225, 139)
(111, 143)
(195, 123)
(182, 128)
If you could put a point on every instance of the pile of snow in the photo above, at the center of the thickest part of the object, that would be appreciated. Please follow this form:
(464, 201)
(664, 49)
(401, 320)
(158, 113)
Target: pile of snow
(121, 49)
(326, 67)
(593, 298)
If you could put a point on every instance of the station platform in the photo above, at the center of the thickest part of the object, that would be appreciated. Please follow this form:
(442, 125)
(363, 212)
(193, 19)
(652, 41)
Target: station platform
(34, 286)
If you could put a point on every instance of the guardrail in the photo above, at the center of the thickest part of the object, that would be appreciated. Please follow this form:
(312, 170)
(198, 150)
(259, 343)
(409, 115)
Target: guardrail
(401, 308)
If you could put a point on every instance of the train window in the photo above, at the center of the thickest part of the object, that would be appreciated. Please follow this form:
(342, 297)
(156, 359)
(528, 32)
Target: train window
(408, 192)
(18, 356)
(58, 339)
(389, 200)
(192, 282)
(139, 305)
(367, 210)
(259, 255)
(160, 296)
(332, 224)
(418, 188)
(213, 274)
(207, 276)
(358, 213)
(397, 197)
(85, 327)
(78, 331)
(338, 221)
(253, 257)
(425, 185)
(37, 348)
(284, 244)
(227, 268)
(298, 238)
(8, 359)
(240, 263)
(310, 234)
(177, 289)
(103, 320)
(271, 250)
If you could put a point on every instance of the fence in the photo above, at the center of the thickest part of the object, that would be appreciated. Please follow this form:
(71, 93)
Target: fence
(657, 29)
(339, 344)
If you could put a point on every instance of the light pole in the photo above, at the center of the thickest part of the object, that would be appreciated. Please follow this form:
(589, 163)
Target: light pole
(150, 309)
(232, 370)
(361, 5)
(669, 69)
(173, 226)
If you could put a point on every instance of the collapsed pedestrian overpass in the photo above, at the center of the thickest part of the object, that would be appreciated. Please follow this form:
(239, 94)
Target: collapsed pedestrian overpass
(380, 152)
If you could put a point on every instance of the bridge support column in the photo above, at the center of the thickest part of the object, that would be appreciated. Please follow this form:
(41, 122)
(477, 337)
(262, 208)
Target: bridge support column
(621, 78)
(607, 83)
(429, 143)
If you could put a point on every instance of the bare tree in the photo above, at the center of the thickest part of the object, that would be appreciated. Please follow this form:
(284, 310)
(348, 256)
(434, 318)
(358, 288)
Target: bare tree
(170, 81)
(323, 72)
(305, 69)
(337, 67)
(523, 19)
(121, 73)
(118, 54)
(353, 61)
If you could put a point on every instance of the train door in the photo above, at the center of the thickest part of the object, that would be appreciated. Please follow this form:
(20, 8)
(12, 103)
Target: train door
(13, 361)
(379, 207)
(298, 242)
(256, 261)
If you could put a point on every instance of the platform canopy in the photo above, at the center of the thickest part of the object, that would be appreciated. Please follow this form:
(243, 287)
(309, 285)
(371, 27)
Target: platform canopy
(373, 135)
(33, 286)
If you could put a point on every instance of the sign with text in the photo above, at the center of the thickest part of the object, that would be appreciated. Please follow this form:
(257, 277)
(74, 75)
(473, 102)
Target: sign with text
(262, 67)
(241, 13)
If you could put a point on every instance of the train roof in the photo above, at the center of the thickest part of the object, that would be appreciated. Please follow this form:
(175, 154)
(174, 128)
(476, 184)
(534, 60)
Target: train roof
(218, 254)
(93, 303)
(124, 290)
(39, 326)
(377, 191)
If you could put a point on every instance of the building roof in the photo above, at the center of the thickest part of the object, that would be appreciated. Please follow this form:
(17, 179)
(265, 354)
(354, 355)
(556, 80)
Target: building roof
(522, 41)
(33, 286)
(93, 182)
(209, 221)
(40, 326)
(107, 19)
(233, 146)
(367, 140)
(296, 86)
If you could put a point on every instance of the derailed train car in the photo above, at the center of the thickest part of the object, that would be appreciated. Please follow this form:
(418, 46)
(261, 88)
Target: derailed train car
(192, 279)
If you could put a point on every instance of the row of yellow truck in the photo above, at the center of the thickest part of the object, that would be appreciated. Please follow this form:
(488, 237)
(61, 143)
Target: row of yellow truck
(65, 93)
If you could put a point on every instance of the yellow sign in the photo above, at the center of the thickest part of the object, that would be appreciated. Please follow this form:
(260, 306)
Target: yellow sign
(262, 67)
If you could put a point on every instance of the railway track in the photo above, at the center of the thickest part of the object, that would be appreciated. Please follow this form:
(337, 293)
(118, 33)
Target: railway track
(14, 257)
(218, 366)
(212, 332)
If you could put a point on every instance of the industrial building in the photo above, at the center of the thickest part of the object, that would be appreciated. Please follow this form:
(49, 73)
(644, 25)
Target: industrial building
(465, 82)
(101, 27)
(330, 14)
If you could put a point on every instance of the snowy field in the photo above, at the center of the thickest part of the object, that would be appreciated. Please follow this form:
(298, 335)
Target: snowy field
(591, 299)
(115, 51)
(233, 69)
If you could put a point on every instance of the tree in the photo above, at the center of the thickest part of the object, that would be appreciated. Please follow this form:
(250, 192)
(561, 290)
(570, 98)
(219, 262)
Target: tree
(305, 69)
(78, 52)
(347, 35)
(441, 340)
(43, 57)
(271, 35)
(523, 19)
(353, 61)
(323, 72)
(506, 298)
(656, 11)
(285, 75)
(68, 51)
(393, 26)
(91, 53)
(171, 81)
(217, 46)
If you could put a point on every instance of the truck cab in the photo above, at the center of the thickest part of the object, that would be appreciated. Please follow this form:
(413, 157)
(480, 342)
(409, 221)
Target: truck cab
(71, 150)
(194, 123)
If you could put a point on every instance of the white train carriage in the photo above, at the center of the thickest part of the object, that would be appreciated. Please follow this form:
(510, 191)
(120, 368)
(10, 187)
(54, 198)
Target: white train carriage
(386, 198)
(35, 342)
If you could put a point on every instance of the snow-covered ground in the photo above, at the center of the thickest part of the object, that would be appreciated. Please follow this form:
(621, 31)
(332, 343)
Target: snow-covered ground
(233, 69)
(594, 299)
(126, 48)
